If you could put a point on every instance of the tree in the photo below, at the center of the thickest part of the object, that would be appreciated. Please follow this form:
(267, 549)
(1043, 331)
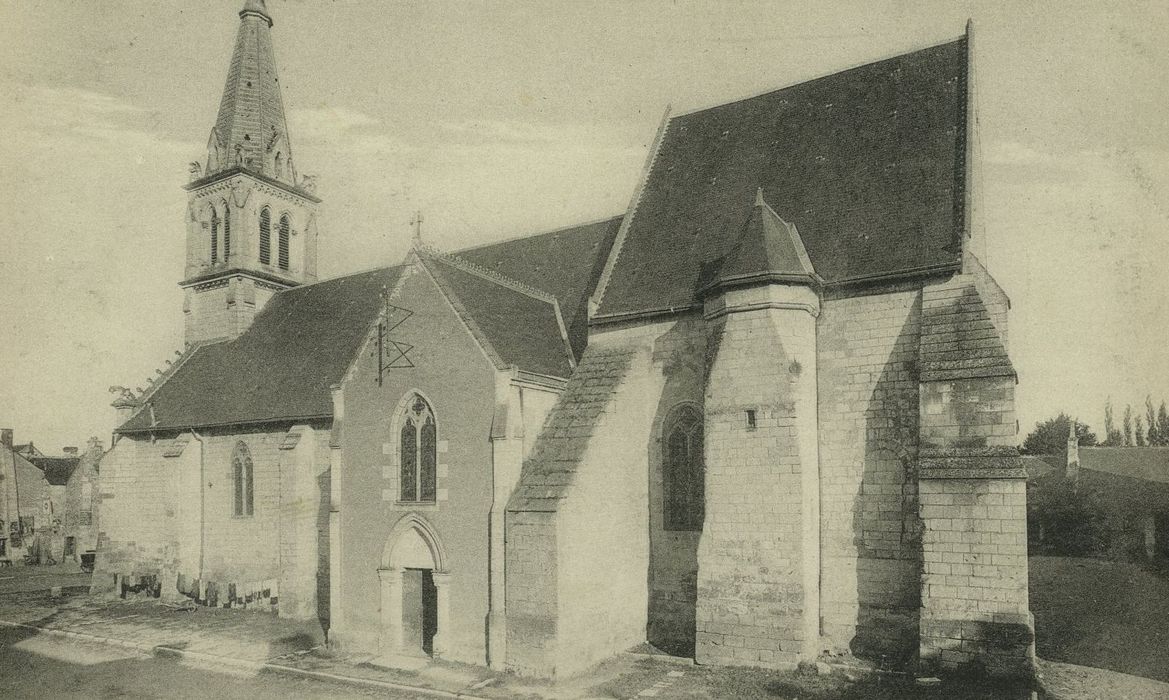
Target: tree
(1163, 424)
(1140, 434)
(1112, 436)
(1128, 426)
(1051, 436)
(1154, 435)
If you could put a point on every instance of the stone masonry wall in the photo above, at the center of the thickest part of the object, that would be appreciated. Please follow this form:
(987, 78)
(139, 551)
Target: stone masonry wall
(581, 516)
(975, 581)
(752, 593)
(870, 529)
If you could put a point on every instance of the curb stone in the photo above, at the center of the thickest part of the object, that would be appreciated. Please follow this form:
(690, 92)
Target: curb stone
(164, 651)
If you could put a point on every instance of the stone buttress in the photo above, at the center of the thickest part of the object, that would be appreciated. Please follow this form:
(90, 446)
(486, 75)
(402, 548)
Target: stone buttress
(758, 557)
(974, 606)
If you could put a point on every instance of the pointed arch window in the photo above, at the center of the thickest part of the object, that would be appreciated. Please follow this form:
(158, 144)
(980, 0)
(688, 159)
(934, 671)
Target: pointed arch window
(226, 231)
(418, 443)
(241, 472)
(214, 236)
(282, 253)
(265, 236)
(683, 473)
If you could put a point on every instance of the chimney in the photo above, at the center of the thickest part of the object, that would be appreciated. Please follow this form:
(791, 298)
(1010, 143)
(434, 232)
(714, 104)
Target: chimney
(6, 438)
(69, 451)
(1072, 471)
(93, 445)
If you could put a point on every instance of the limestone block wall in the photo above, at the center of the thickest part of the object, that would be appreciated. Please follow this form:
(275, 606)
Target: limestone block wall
(757, 604)
(139, 512)
(974, 602)
(974, 588)
(167, 511)
(868, 432)
(577, 550)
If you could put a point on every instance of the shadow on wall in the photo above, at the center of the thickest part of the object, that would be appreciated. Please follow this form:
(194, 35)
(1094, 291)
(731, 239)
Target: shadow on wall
(323, 486)
(673, 566)
(886, 523)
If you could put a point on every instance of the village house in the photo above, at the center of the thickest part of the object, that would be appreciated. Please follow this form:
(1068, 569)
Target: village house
(764, 417)
(25, 502)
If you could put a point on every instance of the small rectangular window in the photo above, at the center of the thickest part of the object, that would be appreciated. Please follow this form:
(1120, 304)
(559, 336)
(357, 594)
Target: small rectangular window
(751, 424)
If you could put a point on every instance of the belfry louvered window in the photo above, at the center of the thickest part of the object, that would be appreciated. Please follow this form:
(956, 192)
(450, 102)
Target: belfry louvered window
(418, 451)
(265, 236)
(226, 232)
(241, 473)
(282, 256)
(214, 236)
(683, 474)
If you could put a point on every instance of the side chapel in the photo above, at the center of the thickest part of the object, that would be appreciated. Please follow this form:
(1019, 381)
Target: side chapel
(764, 417)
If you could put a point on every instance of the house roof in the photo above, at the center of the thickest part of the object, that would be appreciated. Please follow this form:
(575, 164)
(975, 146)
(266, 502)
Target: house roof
(518, 326)
(1146, 463)
(768, 248)
(282, 368)
(57, 469)
(1039, 466)
(867, 163)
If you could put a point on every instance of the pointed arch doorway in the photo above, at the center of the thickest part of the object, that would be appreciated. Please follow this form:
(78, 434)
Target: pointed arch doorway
(415, 590)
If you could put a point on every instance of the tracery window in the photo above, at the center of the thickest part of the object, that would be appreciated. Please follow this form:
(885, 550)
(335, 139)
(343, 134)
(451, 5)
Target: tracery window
(282, 256)
(265, 236)
(683, 473)
(418, 449)
(241, 470)
(214, 236)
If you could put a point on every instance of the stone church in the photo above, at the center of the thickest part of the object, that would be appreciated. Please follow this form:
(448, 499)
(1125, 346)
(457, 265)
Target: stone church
(765, 416)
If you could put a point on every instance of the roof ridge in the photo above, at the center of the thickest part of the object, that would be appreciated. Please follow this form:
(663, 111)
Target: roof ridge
(527, 236)
(476, 269)
(365, 271)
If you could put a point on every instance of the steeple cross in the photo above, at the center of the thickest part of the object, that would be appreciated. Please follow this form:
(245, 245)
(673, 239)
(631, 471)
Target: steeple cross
(416, 222)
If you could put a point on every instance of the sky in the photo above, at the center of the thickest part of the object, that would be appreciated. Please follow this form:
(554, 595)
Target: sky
(506, 118)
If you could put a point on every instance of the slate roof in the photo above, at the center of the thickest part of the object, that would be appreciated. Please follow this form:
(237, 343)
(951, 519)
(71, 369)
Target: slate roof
(565, 263)
(958, 338)
(867, 163)
(299, 345)
(57, 469)
(303, 341)
(768, 248)
(1145, 463)
(517, 326)
(251, 110)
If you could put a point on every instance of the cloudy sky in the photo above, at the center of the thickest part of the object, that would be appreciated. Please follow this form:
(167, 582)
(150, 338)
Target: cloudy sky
(503, 118)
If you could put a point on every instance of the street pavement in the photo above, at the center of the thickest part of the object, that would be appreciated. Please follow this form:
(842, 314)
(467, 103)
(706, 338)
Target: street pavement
(34, 665)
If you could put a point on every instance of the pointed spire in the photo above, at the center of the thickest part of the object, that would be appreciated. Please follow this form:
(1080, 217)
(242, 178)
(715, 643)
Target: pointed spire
(256, 7)
(768, 248)
(250, 130)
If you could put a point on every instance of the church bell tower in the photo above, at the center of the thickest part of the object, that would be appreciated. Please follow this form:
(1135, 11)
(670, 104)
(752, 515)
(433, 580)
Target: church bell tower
(251, 219)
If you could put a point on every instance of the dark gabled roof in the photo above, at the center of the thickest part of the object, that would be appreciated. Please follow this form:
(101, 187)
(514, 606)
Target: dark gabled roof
(768, 248)
(1145, 463)
(282, 368)
(867, 163)
(57, 469)
(566, 263)
(517, 326)
(1040, 466)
